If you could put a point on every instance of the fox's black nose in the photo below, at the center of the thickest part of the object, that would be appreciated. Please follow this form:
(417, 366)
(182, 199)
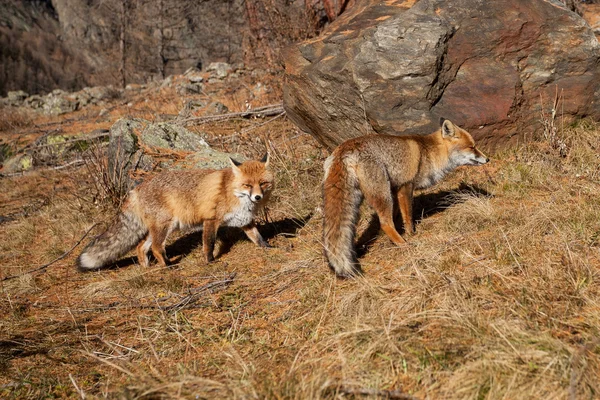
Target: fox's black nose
(257, 197)
(487, 160)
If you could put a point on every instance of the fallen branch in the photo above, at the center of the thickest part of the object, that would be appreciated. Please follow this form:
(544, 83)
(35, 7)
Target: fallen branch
(58, 167)
(53, 261)
(265, 111)
(188, 300)
(196, 294)
(388, 394)
(246, 130)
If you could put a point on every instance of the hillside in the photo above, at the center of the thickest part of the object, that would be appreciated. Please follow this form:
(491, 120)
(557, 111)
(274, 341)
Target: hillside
(59, 44)
(496, 296)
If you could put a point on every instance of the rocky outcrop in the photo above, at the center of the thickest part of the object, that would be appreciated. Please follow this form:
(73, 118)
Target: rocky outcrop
(69, 44)
(33, 56)
(397, 66)
(137, 145)
(60, 102)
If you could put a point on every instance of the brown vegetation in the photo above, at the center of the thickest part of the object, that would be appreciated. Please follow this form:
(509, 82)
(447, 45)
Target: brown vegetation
(496, 296)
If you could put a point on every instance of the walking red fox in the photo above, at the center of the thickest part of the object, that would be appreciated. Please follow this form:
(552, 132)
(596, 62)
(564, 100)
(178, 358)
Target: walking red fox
(385, 170)
(182, 200)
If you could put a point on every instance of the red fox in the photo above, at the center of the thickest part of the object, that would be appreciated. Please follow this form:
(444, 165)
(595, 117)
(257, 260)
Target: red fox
(184, 200)
(385, 170)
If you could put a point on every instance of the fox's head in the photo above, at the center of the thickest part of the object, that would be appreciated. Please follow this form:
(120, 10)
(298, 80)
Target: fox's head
(253, 179)
(461, 146)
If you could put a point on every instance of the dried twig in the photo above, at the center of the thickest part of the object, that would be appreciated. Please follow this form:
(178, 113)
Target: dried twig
(66, 253)
(58, 167)
(550, 129)
(387, 394)
(77, 388)
(266, 111)
(196, 294)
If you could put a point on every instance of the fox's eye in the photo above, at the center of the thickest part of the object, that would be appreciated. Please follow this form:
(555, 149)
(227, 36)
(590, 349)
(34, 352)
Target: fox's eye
(247, 186)
(265, 184)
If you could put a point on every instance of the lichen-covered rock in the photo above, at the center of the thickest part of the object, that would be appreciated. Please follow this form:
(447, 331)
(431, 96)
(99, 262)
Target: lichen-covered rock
(219, 70)
(135, 145)
(171, 136)
(56, 103)
(397, 66)
(189, 88)
(125, 156)
(16, 98)
(18, 163)
(210, 159)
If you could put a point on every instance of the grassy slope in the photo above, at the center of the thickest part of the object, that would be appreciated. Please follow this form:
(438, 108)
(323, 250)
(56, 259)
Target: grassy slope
(495, 297)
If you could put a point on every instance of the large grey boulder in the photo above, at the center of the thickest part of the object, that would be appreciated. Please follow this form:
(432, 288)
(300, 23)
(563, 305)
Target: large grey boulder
(397, 66)
(137, 145)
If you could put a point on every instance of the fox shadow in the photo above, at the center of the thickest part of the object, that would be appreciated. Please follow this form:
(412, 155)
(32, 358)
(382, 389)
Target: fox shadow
(424, 206)
(229, 236)
(188, 242)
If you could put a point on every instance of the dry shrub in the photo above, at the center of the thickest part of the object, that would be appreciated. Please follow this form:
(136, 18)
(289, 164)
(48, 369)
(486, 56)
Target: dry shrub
(11, 118)
(111, 184)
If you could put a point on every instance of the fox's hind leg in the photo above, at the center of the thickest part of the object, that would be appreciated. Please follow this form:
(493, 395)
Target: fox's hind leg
(375, 186)
(142, 250)
(159, 237)
(405, 207)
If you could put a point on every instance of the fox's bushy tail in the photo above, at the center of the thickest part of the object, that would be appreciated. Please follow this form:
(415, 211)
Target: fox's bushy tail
(342, 199)
(118, 239)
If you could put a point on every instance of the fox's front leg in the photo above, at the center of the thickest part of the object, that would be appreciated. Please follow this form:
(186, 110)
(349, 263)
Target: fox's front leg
(254, 235)
(405, 203)
(209, 236)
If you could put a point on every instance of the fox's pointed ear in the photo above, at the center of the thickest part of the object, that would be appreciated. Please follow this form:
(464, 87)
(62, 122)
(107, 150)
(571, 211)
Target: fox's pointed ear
(448, 129)
(266, 158)
(235, 165)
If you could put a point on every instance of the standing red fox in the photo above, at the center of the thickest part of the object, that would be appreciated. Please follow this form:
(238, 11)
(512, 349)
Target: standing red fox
(182, 200)
(385, 170)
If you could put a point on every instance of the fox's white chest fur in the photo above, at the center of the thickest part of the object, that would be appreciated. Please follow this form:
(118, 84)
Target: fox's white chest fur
(242, 215)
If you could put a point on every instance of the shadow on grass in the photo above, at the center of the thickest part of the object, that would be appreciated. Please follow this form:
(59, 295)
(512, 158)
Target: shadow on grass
(230, 236)
(424, 206)
(184, 245)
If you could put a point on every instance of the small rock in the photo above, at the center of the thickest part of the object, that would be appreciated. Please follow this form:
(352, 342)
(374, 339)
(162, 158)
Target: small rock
(216, 108)
(189, 107)
(103, 93)
(134, 87)
(56, 104)
(168, 82)
(19, 163)
(219, 70)
(16, 98)
(34, 101)
(189, 88)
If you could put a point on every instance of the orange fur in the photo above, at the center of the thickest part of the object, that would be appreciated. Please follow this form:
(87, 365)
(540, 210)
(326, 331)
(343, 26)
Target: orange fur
(184, 199)
(385, 170)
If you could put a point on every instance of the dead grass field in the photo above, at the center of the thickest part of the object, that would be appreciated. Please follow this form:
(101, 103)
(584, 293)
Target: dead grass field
(497, 296)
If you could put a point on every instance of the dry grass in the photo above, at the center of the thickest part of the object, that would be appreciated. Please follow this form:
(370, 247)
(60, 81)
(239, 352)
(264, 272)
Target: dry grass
(495, 297)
